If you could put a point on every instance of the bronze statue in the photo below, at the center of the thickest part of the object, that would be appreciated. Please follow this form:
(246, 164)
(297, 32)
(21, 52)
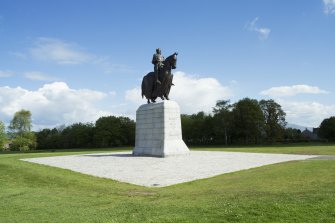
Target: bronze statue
(157, 61)
(158, 83)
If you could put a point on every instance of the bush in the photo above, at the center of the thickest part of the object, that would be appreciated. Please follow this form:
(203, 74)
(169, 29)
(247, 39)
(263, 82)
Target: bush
(24, 142)
(327, 129)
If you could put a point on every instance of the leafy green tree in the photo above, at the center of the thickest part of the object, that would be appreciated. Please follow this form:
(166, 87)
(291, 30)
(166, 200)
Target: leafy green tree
(78, 135)
(274, 120)
(248, 121)
(293, 135)
(24, 142)
(3, 136)
(114, 131)
(327, 129)
(203, 128)
(49, 139)
(20, 126)
(128, 130)
(21, 122)
(187, 128)
(197, 129)
(223, 119)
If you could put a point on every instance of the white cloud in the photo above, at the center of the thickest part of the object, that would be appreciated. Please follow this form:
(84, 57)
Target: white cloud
(53, 104)
(308, 114)
(65, 53)
(112, 93)
(283, 91)
(6, 73)
(192, 93)
(39, 76)
(263, 33)
(58, 51)
(196, 94)
(134, 96)
(329, 6)
(305, 113)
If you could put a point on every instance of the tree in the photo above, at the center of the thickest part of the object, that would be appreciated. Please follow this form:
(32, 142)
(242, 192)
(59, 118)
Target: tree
(20, 127)
(24, 142)
(77, 135)
(274, 120)
(223, 121)
(327, 129)
(248, 121)
(21, 122)
(198, 129)
(128, 127)
(293, 135)
(187, 128)
(3, 136)
(114, 131)
(49, 139)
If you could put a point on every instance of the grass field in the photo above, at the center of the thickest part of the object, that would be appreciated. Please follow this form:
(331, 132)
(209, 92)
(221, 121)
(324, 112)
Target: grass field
(298, 191)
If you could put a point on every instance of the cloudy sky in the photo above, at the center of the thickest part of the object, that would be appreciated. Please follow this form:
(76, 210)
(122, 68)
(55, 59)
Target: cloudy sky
(75, 61)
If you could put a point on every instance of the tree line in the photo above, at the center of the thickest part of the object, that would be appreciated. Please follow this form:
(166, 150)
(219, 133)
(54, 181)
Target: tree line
(246, 122)
(109, 131)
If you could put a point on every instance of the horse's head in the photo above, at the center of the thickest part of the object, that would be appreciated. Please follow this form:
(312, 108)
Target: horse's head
(172, 60)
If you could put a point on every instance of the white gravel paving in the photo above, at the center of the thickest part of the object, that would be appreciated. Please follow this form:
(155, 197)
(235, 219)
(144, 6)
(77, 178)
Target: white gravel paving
(161, 172)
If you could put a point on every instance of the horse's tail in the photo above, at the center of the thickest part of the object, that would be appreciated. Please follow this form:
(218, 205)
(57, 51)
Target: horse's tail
(142, 87)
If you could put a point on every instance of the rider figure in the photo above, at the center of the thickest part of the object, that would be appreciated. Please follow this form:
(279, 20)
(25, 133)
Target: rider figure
(157, 61)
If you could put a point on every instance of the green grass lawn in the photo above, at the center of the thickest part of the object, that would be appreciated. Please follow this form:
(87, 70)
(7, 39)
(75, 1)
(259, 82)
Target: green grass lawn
(296, 191)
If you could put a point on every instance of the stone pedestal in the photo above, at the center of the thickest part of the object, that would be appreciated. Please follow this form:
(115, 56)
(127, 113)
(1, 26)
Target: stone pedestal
(158, 130)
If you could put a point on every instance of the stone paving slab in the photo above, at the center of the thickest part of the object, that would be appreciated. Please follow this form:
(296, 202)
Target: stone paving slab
(161, 172)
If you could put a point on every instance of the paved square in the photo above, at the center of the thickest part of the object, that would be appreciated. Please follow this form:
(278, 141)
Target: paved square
(161, 172)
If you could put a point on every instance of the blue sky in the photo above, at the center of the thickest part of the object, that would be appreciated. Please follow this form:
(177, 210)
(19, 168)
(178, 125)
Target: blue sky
(74, 61)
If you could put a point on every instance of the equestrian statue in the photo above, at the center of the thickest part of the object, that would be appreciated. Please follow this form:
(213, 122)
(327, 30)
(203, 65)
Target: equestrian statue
(158, 83)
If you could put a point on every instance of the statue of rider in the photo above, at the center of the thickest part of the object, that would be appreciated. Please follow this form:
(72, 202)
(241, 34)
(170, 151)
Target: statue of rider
(157, 61)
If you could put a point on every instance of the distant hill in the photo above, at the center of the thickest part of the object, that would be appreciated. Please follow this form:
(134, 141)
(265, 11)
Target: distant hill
(302, 128)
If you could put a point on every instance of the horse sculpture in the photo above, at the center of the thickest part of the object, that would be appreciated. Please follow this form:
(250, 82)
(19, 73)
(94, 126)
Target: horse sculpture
(151, 90)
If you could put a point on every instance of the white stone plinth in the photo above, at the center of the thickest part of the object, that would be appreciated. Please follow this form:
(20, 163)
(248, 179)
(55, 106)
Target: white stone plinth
(158, 130)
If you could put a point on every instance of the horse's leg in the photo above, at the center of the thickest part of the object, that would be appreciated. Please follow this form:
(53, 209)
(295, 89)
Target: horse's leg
(168, 87)
(148, 101)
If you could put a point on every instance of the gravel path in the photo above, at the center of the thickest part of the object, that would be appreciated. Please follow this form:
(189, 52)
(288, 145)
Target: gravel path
(161, 172)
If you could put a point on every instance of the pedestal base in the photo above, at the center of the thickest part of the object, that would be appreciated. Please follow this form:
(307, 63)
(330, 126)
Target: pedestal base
(158, 130)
